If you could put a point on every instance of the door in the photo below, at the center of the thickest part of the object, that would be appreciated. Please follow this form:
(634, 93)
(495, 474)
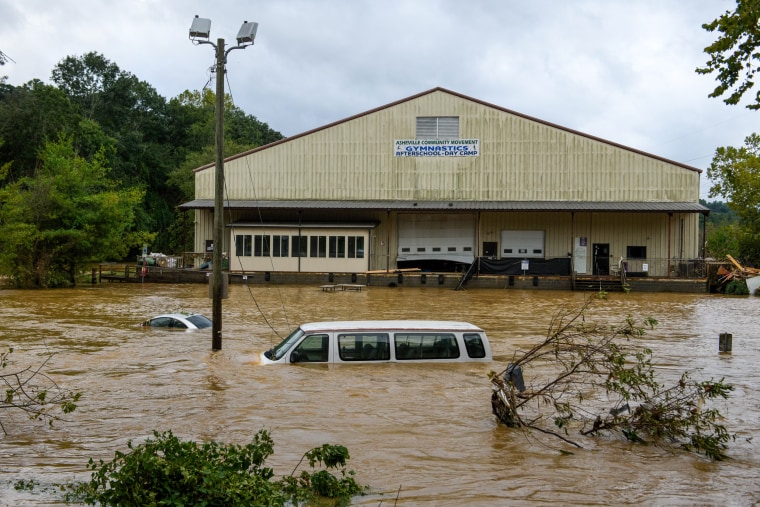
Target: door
(601, 259)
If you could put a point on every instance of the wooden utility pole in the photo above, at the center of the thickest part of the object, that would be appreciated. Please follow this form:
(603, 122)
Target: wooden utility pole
(216, 260)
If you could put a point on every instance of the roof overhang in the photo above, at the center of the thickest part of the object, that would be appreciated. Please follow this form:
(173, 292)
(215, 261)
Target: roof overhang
(304, 225)
(533, 206)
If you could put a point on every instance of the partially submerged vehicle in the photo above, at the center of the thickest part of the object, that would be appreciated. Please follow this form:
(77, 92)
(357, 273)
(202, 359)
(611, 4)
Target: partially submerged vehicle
(389, 341)
(178, 321)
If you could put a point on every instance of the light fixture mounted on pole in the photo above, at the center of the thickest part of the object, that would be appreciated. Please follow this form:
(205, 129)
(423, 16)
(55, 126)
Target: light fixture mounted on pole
(200, 31)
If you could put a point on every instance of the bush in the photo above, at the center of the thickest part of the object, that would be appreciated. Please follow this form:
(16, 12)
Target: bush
(737, 288)
(168, 471)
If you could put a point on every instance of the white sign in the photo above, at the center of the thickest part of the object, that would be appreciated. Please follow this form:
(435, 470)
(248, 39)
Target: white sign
(436, 147)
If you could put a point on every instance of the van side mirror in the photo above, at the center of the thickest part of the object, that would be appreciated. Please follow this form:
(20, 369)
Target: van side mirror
(295, 357)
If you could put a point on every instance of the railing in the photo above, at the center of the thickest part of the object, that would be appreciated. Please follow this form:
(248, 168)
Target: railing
(160, 260)
(665, 268)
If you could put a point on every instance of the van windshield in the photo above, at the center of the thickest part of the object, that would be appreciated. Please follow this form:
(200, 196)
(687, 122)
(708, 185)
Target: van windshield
(280, 350)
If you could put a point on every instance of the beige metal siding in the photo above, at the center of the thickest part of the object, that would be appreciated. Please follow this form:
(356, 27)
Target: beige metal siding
(520, 159)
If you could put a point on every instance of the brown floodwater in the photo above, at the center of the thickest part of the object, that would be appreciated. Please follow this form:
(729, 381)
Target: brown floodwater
(417, 434)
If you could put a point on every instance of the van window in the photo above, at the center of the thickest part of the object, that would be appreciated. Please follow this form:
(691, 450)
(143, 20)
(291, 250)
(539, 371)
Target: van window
(474, 344)
(364, 347)
(426, 346)
(313, 349)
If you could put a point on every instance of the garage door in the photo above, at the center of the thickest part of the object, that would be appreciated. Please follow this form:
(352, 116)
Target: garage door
(436, 237)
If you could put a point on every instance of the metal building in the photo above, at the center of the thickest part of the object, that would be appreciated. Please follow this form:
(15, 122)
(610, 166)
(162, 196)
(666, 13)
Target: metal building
(439, 179)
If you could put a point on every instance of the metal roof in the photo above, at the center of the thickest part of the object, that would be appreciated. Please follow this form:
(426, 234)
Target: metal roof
(536, 206)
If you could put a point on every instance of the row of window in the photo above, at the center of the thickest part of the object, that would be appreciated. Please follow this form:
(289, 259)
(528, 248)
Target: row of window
(265, 245)
(376, 347)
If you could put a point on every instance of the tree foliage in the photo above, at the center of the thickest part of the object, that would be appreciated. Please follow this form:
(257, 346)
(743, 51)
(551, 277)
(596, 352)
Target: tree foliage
(31, 391)
(68, 215)
(735, 176)
(145, 140)
(592, 379)
(735, 55)
(168, 471)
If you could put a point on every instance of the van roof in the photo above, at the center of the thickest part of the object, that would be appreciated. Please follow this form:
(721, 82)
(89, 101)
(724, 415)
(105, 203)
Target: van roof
(376, 325)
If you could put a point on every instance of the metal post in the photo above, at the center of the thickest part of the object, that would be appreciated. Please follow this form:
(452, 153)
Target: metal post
(216, 260)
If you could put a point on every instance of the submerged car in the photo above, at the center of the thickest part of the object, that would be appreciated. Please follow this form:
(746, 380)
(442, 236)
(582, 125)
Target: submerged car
(388, 341)
(179, 321)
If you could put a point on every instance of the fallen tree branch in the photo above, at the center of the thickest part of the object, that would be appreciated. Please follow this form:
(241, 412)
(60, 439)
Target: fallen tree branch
(590, 379)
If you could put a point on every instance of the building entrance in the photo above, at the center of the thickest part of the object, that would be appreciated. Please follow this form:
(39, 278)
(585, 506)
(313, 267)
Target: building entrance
(601, 259)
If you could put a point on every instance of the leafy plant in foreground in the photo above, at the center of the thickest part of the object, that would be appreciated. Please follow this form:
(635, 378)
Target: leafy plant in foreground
(168, 471)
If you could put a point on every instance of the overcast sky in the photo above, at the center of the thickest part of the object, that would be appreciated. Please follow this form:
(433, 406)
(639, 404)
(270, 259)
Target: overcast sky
(622, 70)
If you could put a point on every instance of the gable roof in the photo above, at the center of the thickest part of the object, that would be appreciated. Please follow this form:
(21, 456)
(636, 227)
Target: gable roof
(465, 97)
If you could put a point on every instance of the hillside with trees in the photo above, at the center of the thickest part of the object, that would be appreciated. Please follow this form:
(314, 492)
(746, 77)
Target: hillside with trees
(99, 132)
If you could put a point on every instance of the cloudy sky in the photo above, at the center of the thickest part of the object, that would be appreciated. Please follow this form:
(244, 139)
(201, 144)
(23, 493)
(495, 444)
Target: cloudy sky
(622, 70)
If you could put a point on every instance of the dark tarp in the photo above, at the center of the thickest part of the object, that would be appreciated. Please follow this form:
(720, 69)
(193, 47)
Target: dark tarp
(559, 266)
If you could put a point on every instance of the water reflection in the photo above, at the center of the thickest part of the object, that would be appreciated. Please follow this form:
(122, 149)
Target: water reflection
(424, 432)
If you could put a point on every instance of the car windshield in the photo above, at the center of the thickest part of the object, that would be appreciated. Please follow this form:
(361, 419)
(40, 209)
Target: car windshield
(199, 321)
(285, 345)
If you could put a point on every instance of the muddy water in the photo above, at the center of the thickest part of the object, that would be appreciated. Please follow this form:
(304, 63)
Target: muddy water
(419, 435)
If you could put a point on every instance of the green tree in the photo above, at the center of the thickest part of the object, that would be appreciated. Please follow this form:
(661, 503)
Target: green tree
(134, 116)
(69, 214)
(31, 115)
(735, 55)
(723, 240)
(735, 173)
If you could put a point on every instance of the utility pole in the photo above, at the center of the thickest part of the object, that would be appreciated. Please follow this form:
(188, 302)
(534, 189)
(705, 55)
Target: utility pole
(201, 29)
(216, 260)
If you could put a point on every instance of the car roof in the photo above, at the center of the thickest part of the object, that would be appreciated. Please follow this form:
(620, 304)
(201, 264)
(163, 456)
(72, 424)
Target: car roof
(376, 325)
(179, 316)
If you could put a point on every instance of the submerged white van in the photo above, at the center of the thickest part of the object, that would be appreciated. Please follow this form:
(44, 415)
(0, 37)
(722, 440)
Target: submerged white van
(386, 341)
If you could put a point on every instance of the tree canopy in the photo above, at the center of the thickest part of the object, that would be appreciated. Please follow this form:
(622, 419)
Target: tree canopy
(735, 55)
(114, 120)
(735, 173)
(66, 215)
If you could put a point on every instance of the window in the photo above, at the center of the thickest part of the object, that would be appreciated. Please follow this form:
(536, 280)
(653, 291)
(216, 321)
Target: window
(243, 245)
(437, 127)
(364, 347)
(474, 344)
(313, 349)
(426, 346)
(279, 246)
(317, 246)
(636, 252)
(261, 245)
(337, 247)
(359, 247)
(300, 246)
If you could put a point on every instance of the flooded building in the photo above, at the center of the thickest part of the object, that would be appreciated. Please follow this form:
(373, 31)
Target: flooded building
(440, 180)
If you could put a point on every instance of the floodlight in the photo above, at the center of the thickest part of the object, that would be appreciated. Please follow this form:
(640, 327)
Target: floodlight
(201, 28)
(247, 32)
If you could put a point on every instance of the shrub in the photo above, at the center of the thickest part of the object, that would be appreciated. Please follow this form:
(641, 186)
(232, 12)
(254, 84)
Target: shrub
(168, 471)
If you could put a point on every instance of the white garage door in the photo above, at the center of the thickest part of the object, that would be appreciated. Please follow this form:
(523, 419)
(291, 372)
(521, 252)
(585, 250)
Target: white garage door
(436, 237)
(522, 244)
